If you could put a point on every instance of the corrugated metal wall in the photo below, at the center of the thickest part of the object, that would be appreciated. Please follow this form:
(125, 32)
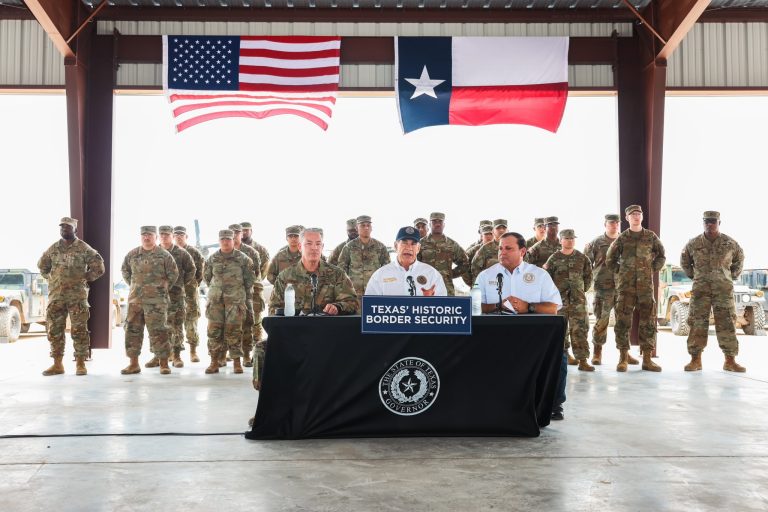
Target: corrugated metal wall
(27, 55)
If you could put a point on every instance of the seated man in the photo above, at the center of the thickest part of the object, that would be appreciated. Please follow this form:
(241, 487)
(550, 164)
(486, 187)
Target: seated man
(406, 275)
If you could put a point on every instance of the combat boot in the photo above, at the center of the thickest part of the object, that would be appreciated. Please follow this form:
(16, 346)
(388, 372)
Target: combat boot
(222, 359)
(56, 368)
(214, 366)
(622, 366)
(631, 360)
(597, 356)
(236, 364)
(177, 362)
(152, 363)
(164, 369)
(648, 364)
(80, 366)
(695, 364)
(193, 354)
(247, 361)
(133, 366)
(572, 361)
(584, 366)
(731, 365)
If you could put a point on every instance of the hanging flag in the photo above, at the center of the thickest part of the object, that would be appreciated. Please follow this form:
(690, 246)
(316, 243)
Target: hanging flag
(481, 80)
(212, 77)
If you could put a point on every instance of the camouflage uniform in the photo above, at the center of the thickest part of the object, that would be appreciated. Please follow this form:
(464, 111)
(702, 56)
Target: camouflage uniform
(256, 305)
(176, 295)
(442, 253)
(230, 278)
(258, 331)
(486, 256)
(282, 260)
(263, 252)
(541, 251)
(712, 265)
(572, 275)
(360, 261)
(538, 221)
(469, 277)
(635, 257)
(334, 258)
(150, 274)
(69, 268)
(604, 287)
(193, 297)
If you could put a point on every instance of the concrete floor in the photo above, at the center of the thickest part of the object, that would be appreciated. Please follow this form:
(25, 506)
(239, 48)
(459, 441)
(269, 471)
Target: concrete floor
(634, 441)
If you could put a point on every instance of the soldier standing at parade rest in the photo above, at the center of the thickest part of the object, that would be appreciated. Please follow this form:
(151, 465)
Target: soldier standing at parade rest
(407, 275)
(442, 253)
(572, 273)
(539, 232)
(635, 257)
(69, 265)
(542, 250)
(176, 297)
(420, 223)
(713, 260)
(486, 236)
(488, 254)
(255, 306)
(150, 271)
(191, 292)
(258, 330)
(363, 256)
(480, 240)
(351, 235)
(287, 256)
(229, 275)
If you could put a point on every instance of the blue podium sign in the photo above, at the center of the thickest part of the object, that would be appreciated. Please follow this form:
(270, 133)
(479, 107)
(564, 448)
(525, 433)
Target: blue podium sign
(416, 315)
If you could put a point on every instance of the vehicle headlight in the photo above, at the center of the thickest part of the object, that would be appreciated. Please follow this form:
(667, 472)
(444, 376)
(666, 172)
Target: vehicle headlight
(759, 293)
(687, 294)
(745, 298)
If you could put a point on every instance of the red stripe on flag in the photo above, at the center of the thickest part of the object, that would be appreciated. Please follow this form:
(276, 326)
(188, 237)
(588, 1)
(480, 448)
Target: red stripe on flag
(188, 108)
(277, 54)
(536, 105)
(245, 86)
(265, 70)
(292, 39)
(256, 115)
(191, 97)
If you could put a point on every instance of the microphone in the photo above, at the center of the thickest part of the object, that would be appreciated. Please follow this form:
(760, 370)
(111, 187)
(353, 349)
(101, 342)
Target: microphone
(313, 282)
(499, 286)
(411, 286)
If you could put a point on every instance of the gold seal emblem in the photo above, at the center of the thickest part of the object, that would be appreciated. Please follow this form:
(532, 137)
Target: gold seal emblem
(528, 277)
(421, 279)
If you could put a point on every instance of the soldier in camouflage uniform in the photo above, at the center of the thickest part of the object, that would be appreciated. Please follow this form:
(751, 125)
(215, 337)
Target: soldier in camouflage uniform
(486, 234)
(572, 273)
(604, 286)
(635, 257)
(442, 253)
(287, 256)
(230, 275)
(539, 232)
(69, 265)
(335, 293)
(420, 223)
(541, 251)
(176, 295)
(488, 254)
(263, 253)
(191, 293)
(363, 256)
(480, 241)
(254, 307)
(150, 271)
(351, 235)
(713, 260)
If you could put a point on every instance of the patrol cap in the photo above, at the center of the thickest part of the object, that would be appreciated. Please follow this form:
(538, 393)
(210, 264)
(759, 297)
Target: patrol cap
(166, 229)
(485, 222)
(226, 233)
(551, 220)
(711, 214)
(149, 229)
(179, 230)
(246, 225)
(500, 222)
(420, 220)
(538, 221)
(293, 230)
(486, 228)
(408, 233)
(436, 216)
(69, 221)
(235, 227)
(633, 208)
(612, 217)
(363, 218)
(351, 223)
(567, 233)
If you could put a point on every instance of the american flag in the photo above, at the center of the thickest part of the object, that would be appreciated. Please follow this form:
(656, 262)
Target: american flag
(212, 77)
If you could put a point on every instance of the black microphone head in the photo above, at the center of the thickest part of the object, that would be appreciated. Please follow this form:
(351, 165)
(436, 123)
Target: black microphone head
(499, 277)
(409, 279)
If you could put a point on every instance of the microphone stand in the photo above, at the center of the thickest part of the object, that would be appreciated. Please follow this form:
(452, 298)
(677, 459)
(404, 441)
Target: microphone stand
(313, 309)
(499, 286)
(411, 286)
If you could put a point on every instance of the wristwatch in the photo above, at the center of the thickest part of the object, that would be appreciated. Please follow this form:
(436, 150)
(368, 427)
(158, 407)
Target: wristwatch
(531, 308)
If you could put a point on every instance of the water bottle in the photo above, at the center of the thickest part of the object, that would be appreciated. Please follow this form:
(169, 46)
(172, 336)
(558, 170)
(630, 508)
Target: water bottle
(290, 301)
(477, 300)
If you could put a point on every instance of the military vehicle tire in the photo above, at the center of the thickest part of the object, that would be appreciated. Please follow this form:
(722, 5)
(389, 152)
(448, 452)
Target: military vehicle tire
(679, 319)
(756, 318)
(10, 324)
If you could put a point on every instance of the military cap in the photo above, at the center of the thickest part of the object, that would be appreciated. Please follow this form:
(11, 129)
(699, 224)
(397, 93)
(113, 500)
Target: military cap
(179, 230)
(551, 220)
(246, 225)
(612, 217)
(363, 218)
(293, 230)
(165, 228)
(149, 229)
(419, 220)
(408, 233)
(633, 208)
(351, 223)
(226, 233)
(538, 221)
(235, 227)
(486, 228)
(485, 223)
(69, 221)
(567, 233)
(710, 214)
(500, 222)
(436, 216)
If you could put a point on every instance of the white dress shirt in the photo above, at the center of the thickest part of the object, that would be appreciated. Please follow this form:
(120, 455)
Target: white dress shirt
(527, 282)
(392, 279)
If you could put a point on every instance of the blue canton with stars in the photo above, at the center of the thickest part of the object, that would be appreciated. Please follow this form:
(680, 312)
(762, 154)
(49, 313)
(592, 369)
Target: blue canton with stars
(203, 63)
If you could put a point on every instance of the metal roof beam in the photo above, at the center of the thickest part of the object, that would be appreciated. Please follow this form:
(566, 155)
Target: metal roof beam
(676, 19)
(59, 20)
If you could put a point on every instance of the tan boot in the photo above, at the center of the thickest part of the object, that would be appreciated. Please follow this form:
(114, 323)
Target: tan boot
(133, 366)
(56, 368)
(631, 360)
(695, 364)
(223, 359)
(152, 363)
(236, 364)
(214, 366)
(622, 366)
(584, 366)
(247, 361)
(597, 356)
(648, 364)
(164, 369)
(193, 354)
(80, 366)
(177, 362)
(731, 365)
(572, 361)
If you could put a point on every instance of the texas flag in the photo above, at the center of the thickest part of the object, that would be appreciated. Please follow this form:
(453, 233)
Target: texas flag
(481, 80)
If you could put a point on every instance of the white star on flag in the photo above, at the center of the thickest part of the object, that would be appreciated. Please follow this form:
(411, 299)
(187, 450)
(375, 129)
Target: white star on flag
(424, 85)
